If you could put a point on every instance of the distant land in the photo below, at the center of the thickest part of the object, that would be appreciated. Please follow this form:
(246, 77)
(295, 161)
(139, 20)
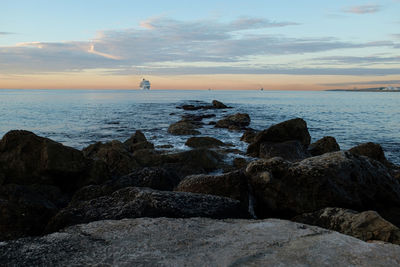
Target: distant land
(377, 89)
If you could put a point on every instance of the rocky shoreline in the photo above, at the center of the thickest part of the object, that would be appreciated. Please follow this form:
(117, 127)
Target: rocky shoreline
(46, 187)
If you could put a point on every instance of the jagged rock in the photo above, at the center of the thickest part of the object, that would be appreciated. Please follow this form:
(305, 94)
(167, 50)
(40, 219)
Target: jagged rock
(138, 141)
(232, 185)
(367, 225)
(248, 136)
(30, 159)
(196, 242)
(289, 150)
(337, 179)
(294, 129)
(324, 145)
(218, 105)
(135, 202)
(204, 141)
(234, 122)
(371, 150)
(115, 154)
(183, 128)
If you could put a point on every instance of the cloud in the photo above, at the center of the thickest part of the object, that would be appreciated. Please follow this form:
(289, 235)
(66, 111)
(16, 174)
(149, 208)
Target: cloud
(363, 9)
(367, 60)
(157, 41)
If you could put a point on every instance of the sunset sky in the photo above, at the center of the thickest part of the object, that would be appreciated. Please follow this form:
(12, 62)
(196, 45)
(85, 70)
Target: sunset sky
(288, 45)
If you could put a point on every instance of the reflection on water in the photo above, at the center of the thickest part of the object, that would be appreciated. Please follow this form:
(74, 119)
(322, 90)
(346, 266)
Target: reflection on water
(80, 117)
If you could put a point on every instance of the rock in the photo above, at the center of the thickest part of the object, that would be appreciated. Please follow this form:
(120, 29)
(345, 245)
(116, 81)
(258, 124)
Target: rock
(204, 141)
(325, 145)
(294, 129)
(23, 212)
(218, 105)
(337, 179)
(138, 141)
(115, 154)
(183, 128)
(234, 122)
(367, 225)
(135, 202)
(371, 150)
(232, 185)
(196, 242)
(30, 159)
(239, 163)
(248, 136)
(289, 150)
(196, 118)
(191, 107)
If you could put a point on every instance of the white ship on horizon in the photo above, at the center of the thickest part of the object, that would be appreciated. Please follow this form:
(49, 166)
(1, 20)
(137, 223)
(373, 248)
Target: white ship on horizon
(145, 84)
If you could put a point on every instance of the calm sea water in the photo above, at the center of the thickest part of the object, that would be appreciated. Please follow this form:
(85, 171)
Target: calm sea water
(78, 118)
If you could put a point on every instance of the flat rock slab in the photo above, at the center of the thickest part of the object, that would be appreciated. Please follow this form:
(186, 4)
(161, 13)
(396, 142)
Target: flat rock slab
(196, 242)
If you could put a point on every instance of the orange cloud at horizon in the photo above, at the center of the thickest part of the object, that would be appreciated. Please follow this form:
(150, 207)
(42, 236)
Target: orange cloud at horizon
(92, 80)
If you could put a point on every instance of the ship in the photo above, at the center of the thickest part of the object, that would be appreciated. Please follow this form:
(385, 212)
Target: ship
(145, 85)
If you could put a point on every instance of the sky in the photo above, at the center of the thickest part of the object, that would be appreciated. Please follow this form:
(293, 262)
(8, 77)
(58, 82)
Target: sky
(245, 45)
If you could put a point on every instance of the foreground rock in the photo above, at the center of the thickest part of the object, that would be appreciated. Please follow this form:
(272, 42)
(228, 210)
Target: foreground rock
(135, 202)
(237, 121)
(204, 141)
(295, 129)
(183, 128)
(196, 242)
(325, 145)
(337, 179)
(367, 225)
(26, 159)
(371, 150)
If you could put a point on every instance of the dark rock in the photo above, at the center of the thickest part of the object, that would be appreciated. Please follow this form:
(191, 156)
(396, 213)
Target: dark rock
(138, 141)
(115, 154)
(289, 150)
(239, 163)
(183, 128)
(212, 123)
(134, 202)
(191, 107)
(218, 105)
(371, 150)
(204, 141)
(337, 179)
(26, 158)
(248, 136)
(367, 225)
(165, 146)
(23, 212)
(325, 145)
(294, 129)
(234, 122)
(196, 118)
(232, 185)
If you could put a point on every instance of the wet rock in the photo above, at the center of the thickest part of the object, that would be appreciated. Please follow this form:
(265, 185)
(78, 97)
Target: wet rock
(234, 122)
(183, 128)
(371, 150)
(212, 123)
(232, 185)
(197, 242)
(196, 118)
(26, 159)
(325, 145)
(294, 129)
(24, 211)
(135, 202)
(248, 136)
(138, 141)
(289, 150)
(191, 107)
(367, 225)
(218, 105)
(115, 154)
(204, 141)
(337, 179)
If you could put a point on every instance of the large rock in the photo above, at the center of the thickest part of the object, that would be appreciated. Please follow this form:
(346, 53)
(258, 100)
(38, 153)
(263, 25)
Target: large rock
(289, 150)
(196, 242)
(371, 150)
(367, 225)
(249, 136)
(203, 141)
(135, 202)
(232, 185)
(294, 129)
(234, 122)
(30, 159)
(324, 145)
(218, 105)
(183, 128)
(138, 141)
(337, 179)
(115, 154)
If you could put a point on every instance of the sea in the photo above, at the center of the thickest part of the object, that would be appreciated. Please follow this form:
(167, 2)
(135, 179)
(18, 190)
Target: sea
(79, 118)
